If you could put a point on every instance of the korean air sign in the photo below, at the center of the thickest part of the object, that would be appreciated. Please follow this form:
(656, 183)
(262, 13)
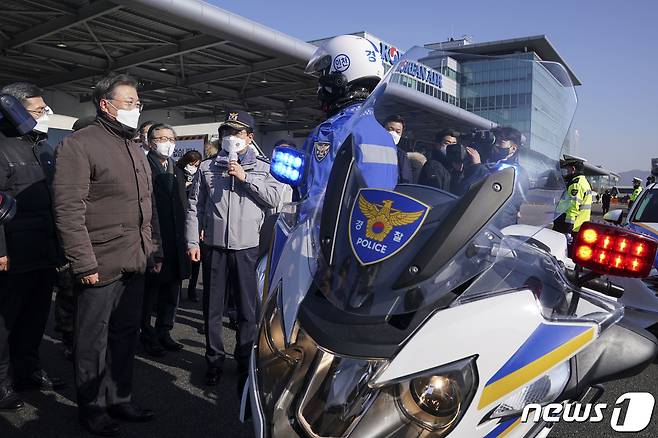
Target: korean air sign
(391, 55)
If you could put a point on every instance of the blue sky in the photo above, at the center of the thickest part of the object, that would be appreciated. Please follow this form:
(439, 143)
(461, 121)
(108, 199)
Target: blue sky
(611, 45)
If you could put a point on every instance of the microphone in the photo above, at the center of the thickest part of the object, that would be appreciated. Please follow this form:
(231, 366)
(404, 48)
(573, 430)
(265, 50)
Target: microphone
(232, 156)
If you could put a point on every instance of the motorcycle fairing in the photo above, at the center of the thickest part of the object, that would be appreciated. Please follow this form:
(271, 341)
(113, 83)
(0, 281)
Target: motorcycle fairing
(504, 428)
(547, 346)
(518, 347)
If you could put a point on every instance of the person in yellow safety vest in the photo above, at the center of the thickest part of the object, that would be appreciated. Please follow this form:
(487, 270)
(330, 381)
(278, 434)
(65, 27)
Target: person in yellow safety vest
(575, 207)
(637, 189)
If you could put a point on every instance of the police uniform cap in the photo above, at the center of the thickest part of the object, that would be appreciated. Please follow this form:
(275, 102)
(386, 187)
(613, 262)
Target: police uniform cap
(238, 120)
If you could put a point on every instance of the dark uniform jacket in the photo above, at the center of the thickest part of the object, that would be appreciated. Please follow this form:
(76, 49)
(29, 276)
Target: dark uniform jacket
(171, 203)
(26, 169)
(103, 203)
(435, 172)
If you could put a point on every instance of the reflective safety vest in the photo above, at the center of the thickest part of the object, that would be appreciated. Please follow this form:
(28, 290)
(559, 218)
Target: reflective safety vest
(576, 203)
(636, 193)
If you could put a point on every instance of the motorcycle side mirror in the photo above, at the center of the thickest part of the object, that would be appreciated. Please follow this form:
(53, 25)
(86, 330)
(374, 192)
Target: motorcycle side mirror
(614, 217)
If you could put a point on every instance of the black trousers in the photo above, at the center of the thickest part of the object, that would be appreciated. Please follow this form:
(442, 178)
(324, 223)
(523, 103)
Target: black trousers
(194, 277)
(24, 306)
(65, 307)
(163, 295)
(223, 270)
(107, 320)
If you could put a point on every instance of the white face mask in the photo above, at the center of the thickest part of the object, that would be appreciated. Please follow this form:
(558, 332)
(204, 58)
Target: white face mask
(165, 149)
(233, 144)
(42, 122)
(396, 137)
(191, 169)
(129, 118)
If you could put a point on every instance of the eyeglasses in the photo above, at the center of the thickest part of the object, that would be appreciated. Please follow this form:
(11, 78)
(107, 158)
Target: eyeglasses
(38, 112)
(163, 139)
(130, 104)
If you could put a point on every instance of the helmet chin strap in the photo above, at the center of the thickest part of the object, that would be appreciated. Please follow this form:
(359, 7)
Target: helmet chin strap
(353, 96)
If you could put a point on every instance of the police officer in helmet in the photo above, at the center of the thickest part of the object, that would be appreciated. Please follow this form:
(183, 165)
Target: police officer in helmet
(349, 68)
(637, 189)
(575, 207)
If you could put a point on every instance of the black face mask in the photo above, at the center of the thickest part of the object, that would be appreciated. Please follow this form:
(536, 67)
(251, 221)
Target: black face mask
(498, 153)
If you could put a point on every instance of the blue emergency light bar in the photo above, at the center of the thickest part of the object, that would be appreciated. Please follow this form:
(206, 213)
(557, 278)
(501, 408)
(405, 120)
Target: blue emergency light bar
(287, 165)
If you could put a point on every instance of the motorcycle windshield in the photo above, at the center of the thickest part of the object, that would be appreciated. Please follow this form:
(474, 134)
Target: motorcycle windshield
(384, 249)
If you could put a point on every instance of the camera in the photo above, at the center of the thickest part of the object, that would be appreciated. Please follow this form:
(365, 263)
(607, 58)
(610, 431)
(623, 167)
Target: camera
(456, 153)
(7, 208)
(482, 140)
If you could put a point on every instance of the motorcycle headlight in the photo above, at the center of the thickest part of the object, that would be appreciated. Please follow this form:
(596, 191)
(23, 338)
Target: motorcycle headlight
(437, 399)
(542, 391)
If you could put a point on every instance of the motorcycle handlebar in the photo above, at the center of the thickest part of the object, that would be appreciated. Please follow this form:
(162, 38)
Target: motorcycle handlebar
(603, 285)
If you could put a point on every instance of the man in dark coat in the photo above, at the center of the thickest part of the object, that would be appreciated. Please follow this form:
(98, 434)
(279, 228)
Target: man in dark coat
(29, 252)
(436, 171)
(163, 288)
(108, 227)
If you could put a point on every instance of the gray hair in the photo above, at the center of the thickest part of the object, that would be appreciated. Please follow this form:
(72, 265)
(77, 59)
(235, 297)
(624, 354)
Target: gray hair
(22, 91)
(104, 89)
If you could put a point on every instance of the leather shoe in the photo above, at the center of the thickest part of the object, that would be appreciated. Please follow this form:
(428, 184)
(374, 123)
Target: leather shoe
(9, 401)
(213, 376)
(193, 296)
(100, 425)
(130, 412)
(39, 380)
(153, 347)
(169, 344)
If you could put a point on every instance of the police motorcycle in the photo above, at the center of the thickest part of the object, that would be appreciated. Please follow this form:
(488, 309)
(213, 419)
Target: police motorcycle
(404, 311)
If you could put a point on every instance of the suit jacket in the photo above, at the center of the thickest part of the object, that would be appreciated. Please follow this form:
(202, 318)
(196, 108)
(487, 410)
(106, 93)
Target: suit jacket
(171, 204)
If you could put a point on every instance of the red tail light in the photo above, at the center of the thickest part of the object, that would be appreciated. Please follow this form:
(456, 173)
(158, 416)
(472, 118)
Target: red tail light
(612, 250)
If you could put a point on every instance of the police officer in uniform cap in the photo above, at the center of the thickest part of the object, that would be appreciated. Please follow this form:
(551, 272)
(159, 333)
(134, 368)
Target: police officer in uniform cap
(575, 207)
(230, 196)
(637, 189)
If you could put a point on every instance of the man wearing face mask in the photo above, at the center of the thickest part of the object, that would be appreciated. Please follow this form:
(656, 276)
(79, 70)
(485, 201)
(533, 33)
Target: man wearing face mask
(505, 152)
(29, 251)
(109, 230)
(395, 126)
(163, 288)
(436, 171)
(230, 196)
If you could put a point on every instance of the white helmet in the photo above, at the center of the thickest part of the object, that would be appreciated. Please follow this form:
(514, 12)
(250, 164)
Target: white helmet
(345, 63)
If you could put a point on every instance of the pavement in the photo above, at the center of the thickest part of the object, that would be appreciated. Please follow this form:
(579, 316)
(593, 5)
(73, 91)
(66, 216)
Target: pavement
(174, 387)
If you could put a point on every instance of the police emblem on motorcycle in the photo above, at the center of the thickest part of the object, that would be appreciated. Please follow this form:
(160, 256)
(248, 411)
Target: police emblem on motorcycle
(321, 149)
(383, 222)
